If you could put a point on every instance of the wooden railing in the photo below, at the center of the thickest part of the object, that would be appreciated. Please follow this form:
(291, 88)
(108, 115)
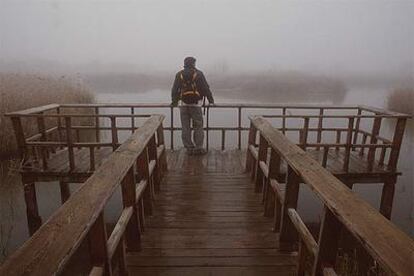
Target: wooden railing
(137, 167)
(60, 121)
(391, 250)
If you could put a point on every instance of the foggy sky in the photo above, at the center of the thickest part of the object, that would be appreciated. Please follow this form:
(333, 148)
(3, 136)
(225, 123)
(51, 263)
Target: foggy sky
(244, 35)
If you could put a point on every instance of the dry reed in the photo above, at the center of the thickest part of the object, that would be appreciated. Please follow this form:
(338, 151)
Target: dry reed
(21, 91)
(402, 100)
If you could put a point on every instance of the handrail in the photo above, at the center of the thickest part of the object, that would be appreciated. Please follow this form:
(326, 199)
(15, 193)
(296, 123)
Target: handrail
(388, 245)
(51, 247)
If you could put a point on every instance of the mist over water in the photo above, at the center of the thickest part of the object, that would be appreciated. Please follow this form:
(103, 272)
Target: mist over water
(330, 52)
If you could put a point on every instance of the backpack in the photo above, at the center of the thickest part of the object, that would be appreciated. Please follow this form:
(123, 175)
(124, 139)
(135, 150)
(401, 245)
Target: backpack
(189, 93)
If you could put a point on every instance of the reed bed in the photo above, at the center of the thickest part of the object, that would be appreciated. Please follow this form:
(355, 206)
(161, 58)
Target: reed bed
(402, 100)
(21, 91)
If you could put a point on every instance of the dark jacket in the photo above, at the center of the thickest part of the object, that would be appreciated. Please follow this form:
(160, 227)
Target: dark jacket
(201, 84)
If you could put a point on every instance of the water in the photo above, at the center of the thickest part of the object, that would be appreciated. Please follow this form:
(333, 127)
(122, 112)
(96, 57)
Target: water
(12, 208)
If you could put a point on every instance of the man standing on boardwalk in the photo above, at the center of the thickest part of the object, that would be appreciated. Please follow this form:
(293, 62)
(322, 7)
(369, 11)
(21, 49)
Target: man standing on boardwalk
(191, 88)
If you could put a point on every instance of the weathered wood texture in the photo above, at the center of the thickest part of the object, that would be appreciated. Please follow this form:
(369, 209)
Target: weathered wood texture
(208, 220)
(51, 247)
(388, 245)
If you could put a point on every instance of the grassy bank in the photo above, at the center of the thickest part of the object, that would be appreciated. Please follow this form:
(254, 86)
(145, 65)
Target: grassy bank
(21, 91)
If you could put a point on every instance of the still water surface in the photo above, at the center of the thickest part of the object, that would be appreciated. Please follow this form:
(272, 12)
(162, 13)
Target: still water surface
(12, 208)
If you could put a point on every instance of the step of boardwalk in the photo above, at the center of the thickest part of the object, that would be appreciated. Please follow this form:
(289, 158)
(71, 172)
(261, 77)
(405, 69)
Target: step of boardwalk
(207, 223)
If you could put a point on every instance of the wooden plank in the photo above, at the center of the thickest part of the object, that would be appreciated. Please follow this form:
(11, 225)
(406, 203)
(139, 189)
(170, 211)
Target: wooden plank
(34, 110)
(367, 225)
(68, 228)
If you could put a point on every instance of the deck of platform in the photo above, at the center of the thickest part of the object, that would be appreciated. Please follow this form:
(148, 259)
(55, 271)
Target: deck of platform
(209, 221)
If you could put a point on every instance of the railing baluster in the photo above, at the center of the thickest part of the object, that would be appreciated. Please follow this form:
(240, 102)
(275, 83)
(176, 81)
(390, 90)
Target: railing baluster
(152, 155)
(288, 234)
(239, 124)
(304, 136)
(64, 191)
(114, 132)
(97, 132)
(259, 177)
(396, 144)
(98, 245)
(69, 141)
(143, 174)
(372, 150)
(132, 233)
(91, 158)
(320, 126)
(172, 128)
(325, 156)
(223, 139)
(59, 126)
(328, 242)
(274, 171)
(363, 142)
(348, 145)
(20, 137)
(357, 125)
(251, 141)
(42, 130)
(132, 120)
(338, 139)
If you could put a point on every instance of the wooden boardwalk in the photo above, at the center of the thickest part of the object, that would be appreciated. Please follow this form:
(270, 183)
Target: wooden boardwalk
(207, 220)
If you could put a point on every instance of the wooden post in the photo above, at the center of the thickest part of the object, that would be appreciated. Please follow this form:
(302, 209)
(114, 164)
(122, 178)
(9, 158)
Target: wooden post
(20, 138)
(208, 128)
(132, 120)
(163, 157)
(121, 256)
(372, 150)
(274, 170)
(301, 266)
(304, 136)
(284, 120)
(348, 145)
(92, 158)
(69, 141)
(98, 245)
(357, 125)
(396, 144)
(42, 130)
(320, 126)
(152, 155)
(338, 139)
(251, 141)
(325, 156)
(59, 125)
(364, 141)
(239, 118)
(288, 234)
(262, 156)
(223, 139)
(34, 221)
(64, 191)
(97, 133)
(172, 128)
(114, 132)
(132, 233)
(328, 242)
(387, 196)
(143, 174)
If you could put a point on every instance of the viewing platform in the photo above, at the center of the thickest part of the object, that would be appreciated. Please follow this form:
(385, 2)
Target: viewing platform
(232, 211)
